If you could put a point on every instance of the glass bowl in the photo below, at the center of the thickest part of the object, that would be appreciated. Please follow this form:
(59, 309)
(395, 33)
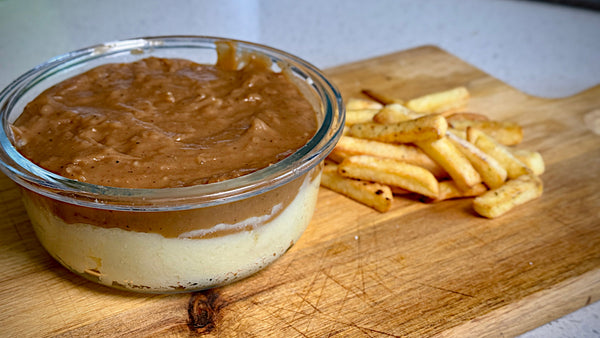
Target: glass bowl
(172, 239)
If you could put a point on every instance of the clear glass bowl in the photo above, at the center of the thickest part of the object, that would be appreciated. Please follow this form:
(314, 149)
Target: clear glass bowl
(84, 226)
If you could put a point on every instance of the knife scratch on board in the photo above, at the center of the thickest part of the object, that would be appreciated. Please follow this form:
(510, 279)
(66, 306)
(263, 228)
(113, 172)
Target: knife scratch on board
(447, 290)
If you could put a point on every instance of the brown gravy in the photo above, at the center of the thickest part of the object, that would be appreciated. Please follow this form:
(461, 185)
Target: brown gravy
(159, 123)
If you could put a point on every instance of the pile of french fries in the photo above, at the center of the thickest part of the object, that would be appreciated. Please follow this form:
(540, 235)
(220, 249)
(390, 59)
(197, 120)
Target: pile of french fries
(432, 147)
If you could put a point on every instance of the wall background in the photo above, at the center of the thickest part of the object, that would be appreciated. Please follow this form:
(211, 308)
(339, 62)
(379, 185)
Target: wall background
(542, 49)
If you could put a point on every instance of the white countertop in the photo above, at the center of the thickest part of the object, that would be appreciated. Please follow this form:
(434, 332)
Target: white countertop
(542, 49)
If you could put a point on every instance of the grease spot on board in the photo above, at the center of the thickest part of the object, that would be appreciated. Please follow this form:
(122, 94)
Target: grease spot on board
(336, 249)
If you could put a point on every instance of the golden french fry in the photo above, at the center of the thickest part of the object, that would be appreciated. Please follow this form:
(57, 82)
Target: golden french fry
(497, 202)
(456, 164)
(428, 127)
(458, 133)
(449, 190)
(408, 153)
(391, 147)
(346, 130)
(506, 133)
(374, 195)
(394, 113)
(462, 116)
(359, 104)
(514, 167)
(453, 99)
(380, 97)
(532, 159)
(337, 155)
(354, 116)
(492, 173)
(390, 172)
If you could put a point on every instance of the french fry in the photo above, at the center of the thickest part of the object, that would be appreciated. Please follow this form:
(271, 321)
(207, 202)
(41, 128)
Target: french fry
(453, 99)
(462, 116)
(374, 195)
(506, 133)
(346, 130)
(449, 190)
(497, 202)
(532, 159)
(359, 104)
(456, 164)
(354, 116)
(514, 167)
(380, 97)
(458, 133)
(430, 127)
(337, 155)
(394, 147)
(348, 146)
(492, 173)
(394, 113)
(390, 172)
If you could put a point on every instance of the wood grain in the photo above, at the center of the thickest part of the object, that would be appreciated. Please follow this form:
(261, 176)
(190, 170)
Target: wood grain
(418, 270)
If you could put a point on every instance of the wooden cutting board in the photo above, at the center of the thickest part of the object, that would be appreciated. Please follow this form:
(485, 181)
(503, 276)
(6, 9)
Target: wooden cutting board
(418, 270)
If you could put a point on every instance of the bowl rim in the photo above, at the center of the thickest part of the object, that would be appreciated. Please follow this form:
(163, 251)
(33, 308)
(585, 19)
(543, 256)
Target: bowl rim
(35, 178)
